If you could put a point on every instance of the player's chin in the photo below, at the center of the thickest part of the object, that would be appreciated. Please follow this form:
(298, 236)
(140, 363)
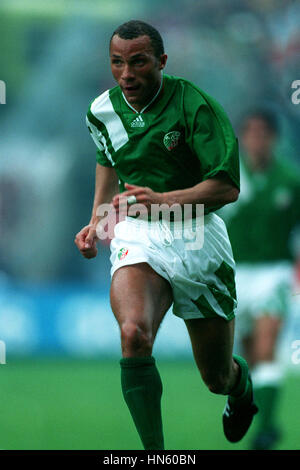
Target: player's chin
(133, 96)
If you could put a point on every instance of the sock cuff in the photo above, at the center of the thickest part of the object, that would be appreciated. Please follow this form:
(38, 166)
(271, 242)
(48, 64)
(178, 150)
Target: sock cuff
(128, 362)
(267, 374)
(241, 387)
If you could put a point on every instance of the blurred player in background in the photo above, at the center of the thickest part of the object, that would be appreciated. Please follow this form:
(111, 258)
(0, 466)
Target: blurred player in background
(260, 227)
(165, 141)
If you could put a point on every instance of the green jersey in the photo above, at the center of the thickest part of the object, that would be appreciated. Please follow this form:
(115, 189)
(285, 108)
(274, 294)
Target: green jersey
(261, 222)
(181, 138)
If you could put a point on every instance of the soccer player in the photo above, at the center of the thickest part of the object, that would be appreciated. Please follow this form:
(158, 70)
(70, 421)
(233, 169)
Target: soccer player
(161, 140)
(260, 227)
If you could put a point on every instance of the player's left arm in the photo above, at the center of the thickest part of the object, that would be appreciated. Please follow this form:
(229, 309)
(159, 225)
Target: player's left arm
(213, 192)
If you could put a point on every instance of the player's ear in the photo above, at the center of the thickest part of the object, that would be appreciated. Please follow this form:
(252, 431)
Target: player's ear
(162, 61)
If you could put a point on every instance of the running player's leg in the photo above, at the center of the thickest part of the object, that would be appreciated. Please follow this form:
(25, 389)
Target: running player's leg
(223, 372)
(139, 299)
(267, 378)
(212, 344)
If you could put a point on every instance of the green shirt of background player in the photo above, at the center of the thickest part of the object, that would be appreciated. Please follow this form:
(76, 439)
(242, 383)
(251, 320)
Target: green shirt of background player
(261, 223)
(137, 59)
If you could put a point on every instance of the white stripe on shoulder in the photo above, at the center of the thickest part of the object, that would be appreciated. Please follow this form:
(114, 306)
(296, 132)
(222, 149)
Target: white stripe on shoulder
(103, 110)
(99, 140)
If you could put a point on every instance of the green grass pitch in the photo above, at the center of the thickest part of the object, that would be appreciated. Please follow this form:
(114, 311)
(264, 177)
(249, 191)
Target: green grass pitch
(76, 405)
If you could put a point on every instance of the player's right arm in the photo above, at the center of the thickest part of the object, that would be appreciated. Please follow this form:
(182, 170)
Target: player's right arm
(106, 186)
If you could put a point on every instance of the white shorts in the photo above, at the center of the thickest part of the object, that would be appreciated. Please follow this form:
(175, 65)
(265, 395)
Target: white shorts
(202, 279)
(262, 289)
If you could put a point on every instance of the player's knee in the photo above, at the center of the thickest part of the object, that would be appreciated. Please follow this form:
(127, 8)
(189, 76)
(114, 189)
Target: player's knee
(136, 339)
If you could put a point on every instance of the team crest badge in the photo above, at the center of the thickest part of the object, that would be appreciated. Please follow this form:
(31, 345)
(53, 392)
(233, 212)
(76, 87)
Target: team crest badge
(122, 253)
(171, 140)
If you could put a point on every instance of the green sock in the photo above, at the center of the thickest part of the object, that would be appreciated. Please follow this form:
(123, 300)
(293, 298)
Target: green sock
(266, 398)
(242, 392)
(142, 390)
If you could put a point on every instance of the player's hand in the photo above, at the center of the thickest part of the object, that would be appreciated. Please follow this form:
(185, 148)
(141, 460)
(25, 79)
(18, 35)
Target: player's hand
(143, 195)
(86, 241)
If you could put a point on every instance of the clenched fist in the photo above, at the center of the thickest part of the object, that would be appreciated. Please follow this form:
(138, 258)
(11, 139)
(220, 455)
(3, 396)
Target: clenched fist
(86, 241)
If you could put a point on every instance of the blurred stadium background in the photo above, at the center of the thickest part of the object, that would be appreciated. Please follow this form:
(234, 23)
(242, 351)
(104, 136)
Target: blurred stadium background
(59, 388)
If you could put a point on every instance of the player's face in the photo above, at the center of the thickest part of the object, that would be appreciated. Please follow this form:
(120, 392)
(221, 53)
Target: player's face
(258, 139)
(136, 69)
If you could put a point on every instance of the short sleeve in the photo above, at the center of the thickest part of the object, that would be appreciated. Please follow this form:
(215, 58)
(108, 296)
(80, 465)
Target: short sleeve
(211, 137)
(102, 159)
(101, 156)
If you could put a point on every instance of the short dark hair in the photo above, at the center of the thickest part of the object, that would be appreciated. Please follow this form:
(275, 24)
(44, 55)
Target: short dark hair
(135, 28)
(265, 115)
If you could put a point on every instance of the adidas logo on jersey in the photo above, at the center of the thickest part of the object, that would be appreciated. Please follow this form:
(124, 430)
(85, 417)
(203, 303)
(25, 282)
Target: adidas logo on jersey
(138, 122)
